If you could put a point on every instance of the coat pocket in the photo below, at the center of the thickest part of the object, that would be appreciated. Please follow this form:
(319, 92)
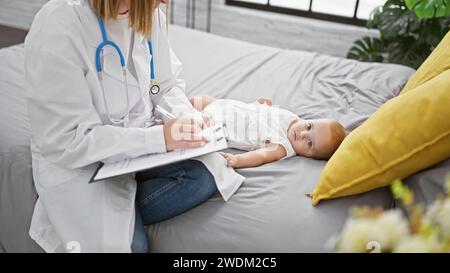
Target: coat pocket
(51, 175)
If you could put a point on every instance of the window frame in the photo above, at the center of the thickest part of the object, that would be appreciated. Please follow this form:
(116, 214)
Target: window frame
(302, 13)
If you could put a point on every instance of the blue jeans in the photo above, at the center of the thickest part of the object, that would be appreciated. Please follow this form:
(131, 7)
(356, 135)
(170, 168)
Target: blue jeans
(168, 191)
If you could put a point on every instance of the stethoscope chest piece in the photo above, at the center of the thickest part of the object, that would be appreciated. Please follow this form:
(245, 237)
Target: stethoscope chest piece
(154, 87)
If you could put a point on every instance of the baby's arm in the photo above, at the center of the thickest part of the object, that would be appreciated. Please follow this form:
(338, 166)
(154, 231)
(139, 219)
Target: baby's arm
(255, 158)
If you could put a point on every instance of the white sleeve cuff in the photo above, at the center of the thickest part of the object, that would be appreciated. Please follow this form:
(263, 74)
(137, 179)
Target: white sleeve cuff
(154, 139)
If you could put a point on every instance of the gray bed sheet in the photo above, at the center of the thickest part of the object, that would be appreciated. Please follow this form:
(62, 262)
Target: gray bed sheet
(269, 213)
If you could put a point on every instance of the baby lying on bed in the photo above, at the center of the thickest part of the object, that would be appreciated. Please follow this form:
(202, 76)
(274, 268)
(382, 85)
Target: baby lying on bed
(268, 133)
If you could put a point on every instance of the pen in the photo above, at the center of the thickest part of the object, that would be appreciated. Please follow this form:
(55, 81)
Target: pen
(165, 115)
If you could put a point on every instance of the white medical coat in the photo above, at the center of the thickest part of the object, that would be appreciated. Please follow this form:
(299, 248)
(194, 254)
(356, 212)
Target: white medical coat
(71, 131)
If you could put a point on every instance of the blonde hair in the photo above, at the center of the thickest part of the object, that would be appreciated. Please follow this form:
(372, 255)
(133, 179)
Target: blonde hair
(140, 13)
(338, 135)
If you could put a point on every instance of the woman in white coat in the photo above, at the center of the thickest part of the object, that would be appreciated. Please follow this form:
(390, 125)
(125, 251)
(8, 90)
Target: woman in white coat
(91, 104)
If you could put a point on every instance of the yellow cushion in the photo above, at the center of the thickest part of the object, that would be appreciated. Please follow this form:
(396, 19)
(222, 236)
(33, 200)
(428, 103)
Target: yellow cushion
(435, 64)
(407, 134)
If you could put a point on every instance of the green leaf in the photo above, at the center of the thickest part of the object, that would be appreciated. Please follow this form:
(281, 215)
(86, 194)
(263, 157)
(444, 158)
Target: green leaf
(402, 192)
(408, 51)
(367, 49)
(443, 11)
(395, 20)
(427, 9)
(431, 32)
(411, 3)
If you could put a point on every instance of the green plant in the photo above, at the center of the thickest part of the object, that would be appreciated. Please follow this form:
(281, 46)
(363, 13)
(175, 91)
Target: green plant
(427, 9)
(409, 31)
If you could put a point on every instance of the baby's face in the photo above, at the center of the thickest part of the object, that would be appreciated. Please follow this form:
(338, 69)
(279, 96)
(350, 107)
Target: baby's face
(311, 137)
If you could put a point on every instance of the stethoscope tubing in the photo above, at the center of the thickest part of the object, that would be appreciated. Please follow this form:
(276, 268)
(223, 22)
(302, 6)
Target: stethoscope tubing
(99, 67)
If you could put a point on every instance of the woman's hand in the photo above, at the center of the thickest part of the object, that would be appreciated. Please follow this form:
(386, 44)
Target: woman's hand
(183, 134)
(232, 160)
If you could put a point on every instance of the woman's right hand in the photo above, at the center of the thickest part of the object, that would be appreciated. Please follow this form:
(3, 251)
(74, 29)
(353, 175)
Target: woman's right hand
(183, 134)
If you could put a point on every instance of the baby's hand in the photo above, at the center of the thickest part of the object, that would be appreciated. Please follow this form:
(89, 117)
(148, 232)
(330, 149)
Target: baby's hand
(266, 101)
(231, 159)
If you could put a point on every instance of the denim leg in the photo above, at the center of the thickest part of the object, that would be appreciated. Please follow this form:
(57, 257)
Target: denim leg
(168, 191)
(140, 239)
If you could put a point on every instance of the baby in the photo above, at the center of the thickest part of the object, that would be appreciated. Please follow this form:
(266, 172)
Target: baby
(268, 133)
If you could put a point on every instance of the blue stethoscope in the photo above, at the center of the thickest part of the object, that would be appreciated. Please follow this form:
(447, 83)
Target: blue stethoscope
(154, 88)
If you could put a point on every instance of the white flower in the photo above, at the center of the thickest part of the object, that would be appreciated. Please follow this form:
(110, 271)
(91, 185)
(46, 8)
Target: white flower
(386, 231)
(417, 244)
(394, 228)
(359, 234)
(439, 214)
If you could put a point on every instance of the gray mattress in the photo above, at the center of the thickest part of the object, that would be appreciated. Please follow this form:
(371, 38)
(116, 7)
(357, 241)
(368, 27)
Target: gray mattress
(270, 212)
(17, 193)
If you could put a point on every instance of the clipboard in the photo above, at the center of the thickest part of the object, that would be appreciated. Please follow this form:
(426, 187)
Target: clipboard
(218, 141)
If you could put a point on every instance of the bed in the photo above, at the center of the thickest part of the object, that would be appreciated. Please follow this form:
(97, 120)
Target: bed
(270, 212)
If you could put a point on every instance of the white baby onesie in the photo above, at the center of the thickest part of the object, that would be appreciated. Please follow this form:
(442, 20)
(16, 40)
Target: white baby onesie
(252, 126)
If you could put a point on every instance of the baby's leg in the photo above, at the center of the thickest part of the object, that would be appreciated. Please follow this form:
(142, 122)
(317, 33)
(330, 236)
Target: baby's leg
(200, 102)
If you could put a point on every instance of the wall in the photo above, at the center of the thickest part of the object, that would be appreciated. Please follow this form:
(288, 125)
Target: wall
(259, 27)
(274, 29)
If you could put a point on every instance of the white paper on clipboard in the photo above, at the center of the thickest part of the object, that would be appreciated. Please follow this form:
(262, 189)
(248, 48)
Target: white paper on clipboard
(216, 135)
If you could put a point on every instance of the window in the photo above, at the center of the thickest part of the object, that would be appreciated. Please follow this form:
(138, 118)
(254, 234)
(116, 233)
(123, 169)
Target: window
(355, 12)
